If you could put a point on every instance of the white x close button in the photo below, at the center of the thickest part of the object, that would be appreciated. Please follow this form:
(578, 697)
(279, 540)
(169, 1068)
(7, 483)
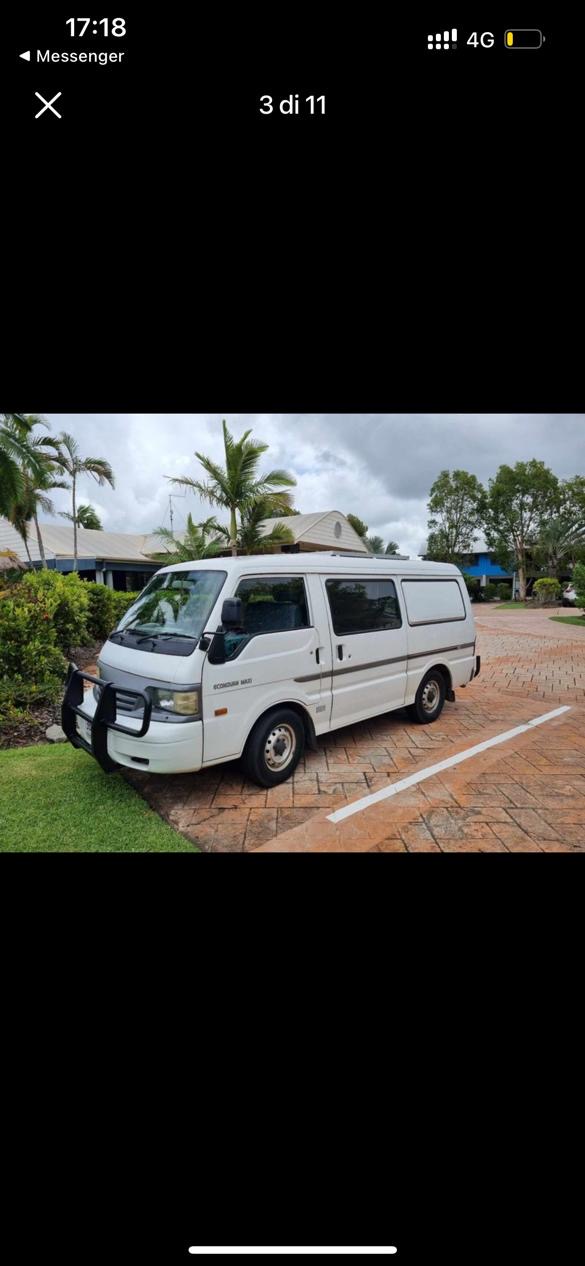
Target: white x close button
(48, 105)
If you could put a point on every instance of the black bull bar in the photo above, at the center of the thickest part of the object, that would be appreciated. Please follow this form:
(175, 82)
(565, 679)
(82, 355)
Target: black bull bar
(104, 717)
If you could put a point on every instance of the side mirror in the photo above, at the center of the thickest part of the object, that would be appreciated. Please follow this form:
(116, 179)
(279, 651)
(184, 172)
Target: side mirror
(231, 613)
(216, 652)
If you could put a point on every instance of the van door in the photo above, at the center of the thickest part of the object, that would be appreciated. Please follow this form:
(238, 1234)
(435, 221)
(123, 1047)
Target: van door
(369, 647)
(274, 658)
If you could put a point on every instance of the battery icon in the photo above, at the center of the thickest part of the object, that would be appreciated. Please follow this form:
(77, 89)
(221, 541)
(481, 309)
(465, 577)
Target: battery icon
(524, 39)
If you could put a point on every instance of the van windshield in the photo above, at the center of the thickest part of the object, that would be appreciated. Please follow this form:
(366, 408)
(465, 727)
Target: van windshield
(177, 604)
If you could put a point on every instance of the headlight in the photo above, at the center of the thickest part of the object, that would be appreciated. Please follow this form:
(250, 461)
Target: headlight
(185, 703)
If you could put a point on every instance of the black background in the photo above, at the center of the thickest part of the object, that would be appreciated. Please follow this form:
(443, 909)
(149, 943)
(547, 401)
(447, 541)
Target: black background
(378, 1047)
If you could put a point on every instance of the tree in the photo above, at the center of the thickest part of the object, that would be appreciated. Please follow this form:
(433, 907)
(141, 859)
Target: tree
(561, 539)
(201, 540)
(17, 454)
(237, 485)
(251, 540)
(37, 472)
(86, 518)
(375, 544)
(391, 548)
(455, 508)
(357, 525)
(68, 457)
(519, 501)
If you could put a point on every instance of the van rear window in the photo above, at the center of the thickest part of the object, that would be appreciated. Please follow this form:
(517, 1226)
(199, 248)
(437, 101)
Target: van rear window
(433, 601)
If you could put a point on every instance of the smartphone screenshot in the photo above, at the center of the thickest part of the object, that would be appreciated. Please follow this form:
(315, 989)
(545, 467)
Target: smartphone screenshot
(292, 630)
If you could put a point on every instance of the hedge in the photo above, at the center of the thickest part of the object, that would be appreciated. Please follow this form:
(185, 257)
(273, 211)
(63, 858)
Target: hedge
(106, 608)
(42, 615)
(33, 617)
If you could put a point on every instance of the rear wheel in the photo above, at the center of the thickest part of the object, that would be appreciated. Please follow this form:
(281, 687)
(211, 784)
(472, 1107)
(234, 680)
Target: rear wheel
(274, 747)
(430, 698)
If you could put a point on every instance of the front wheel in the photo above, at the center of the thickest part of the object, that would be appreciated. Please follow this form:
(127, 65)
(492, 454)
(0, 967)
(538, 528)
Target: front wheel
(430, 698)
(274, 747)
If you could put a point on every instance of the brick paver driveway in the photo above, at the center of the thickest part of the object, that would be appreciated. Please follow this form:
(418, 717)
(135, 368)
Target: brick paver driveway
(525, 795)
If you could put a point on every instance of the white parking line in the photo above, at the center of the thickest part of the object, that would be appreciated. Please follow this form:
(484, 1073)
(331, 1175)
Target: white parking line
(394, 788)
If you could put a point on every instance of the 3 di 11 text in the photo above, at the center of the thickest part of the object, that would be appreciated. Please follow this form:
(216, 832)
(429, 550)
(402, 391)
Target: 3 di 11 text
(295, 104)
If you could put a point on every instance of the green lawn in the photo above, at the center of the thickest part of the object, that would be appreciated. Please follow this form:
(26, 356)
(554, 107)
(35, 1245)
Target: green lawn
(514, 606)
(56, 799)
(570, 619)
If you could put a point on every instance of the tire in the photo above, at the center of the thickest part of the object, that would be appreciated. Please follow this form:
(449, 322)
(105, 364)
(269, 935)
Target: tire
(430, 698)
(274, 748)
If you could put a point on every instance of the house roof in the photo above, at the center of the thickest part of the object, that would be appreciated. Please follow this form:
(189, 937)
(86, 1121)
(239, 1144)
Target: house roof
(327, 528)
(129, 547)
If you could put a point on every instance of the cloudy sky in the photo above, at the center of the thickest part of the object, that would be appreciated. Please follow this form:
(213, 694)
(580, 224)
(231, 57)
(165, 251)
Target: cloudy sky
(378, 466)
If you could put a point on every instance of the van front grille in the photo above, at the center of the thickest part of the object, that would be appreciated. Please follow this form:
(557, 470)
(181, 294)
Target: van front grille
(127, 703)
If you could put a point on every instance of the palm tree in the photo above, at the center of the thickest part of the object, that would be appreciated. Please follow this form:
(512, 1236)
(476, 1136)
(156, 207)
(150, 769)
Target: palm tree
(251, 540)
(35, 496)
(86, 518)
(68, 457)
(20, 516)
(16, 455)
(559, 543)
(375, 543)
(391, 548)
(197, 543)
(36, 477)
(237, 485)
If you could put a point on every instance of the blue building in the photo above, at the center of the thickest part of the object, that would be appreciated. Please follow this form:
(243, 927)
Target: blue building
(482, 564)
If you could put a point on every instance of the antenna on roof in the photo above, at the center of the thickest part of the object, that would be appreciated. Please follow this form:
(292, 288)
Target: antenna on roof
(171, 495)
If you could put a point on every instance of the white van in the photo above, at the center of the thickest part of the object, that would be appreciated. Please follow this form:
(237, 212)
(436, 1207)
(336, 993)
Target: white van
(257, 656)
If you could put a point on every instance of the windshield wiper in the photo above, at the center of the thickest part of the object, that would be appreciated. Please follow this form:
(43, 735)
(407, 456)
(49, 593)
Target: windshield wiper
(190, 637)
(165, 637)
(120, 633)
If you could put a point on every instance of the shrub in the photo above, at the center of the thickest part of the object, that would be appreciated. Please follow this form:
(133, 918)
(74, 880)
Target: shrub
(579, 583)
(121, 603)
(17, 697)
(473, 587)
(489, 592)
(32, 667)
(504, 592)
(101, 618)
(67, 598)
(547, 589)
(106, 608)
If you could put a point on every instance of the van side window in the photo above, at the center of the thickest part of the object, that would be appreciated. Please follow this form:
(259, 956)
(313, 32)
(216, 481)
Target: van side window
(363, 606)
(271, 604)
(433, 601)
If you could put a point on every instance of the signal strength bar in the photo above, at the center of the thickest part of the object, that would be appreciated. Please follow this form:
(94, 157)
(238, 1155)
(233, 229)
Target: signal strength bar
(446, 40)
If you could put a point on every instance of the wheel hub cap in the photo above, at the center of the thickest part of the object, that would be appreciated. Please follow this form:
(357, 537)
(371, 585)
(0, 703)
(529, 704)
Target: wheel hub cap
(280, 747)
(430, 696)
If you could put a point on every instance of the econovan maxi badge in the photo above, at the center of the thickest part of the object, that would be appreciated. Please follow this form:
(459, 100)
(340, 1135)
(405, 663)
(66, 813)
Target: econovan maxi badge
(229, 685)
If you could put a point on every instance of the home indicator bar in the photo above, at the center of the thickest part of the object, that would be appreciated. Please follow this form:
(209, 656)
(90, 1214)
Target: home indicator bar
(292, 1252)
